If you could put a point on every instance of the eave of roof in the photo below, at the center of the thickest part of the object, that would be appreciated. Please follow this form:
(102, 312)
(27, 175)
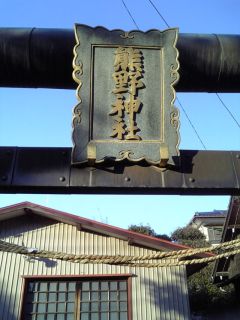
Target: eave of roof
(22, 208)
(133, 238)
(215, 213)
(207, 217)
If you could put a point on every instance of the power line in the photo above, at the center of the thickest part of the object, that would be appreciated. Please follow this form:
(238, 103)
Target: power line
(129, 13)
(228, 110)
(191, 124)
(158, 12)
(224, 105)
(161, 16)
(184, 111)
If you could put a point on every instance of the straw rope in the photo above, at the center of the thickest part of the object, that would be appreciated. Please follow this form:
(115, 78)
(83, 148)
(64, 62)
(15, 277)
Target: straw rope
(166, 258)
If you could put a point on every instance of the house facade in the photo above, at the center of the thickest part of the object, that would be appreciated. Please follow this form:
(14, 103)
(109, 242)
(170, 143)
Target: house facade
(35, 288)
(210, 224)
(228, 270)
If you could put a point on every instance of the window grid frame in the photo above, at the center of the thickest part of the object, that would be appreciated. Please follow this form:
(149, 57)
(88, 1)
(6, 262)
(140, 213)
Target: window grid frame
(89, 278)
(99, 300)
(215, 234)
(37, 302)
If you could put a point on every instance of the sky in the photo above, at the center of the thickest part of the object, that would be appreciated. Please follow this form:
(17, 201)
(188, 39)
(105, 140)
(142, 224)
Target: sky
(27, 116)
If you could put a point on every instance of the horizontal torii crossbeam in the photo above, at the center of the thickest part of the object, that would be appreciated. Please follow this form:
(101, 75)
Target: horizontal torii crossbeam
(49, 170)
(42, 58)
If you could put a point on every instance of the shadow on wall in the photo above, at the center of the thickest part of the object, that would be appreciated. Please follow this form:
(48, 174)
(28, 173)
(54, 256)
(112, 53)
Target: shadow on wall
(168, 294)
(24, 224)
(48, 262)
(6, 308)
(27, 224)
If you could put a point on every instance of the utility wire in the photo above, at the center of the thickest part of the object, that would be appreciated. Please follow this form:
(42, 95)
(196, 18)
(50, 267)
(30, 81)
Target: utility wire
(191, 124)
(224, 105)
(161, 16)
(130, 15)
(184, 111)
(228, 110)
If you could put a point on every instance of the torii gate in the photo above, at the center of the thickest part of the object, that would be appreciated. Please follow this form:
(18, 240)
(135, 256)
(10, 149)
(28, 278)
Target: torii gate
(27, 55)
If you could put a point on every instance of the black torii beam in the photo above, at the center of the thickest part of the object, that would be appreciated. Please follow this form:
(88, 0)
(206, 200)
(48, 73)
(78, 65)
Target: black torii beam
(42, 58)
(49, 170)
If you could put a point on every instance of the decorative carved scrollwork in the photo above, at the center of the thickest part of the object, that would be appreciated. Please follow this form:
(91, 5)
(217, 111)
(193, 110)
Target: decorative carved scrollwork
(127, 35)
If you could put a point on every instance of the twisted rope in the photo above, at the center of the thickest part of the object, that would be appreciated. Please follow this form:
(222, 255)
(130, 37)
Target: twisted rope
(133, 261)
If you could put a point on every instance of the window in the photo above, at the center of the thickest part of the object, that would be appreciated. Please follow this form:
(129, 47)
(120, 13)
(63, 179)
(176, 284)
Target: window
(87, 299)
(215, 234)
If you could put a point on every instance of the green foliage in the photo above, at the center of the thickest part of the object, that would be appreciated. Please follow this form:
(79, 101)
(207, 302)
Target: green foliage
(204, 296)
(148, 231)
(142, 229)
(163, 236)
(189, 236)
(187, 233)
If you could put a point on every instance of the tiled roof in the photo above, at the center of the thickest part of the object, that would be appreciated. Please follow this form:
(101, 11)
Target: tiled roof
(214, 213)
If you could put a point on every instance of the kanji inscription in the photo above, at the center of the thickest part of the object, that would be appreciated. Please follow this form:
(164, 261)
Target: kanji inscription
(126, 95)
(128, 72)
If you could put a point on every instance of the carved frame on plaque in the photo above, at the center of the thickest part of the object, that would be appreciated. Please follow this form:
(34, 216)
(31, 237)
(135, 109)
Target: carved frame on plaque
(125, 96)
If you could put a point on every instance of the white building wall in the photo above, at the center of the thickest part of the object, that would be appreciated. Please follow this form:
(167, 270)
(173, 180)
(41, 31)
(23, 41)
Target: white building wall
(204, 231)
(157, 293)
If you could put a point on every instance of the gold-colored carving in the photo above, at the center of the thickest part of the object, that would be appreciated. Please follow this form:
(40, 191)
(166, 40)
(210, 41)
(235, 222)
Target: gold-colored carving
(126, 154)
(125, 111)
(118, 129)
(164, 155)
(77, 115)
(127, 35)
(77, 73)
(174, 119)
(128, 72)
(118, 106)
(91, 153)
(174, 72)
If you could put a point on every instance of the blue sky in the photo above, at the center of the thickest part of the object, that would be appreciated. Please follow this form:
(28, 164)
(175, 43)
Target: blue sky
(28, 116)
